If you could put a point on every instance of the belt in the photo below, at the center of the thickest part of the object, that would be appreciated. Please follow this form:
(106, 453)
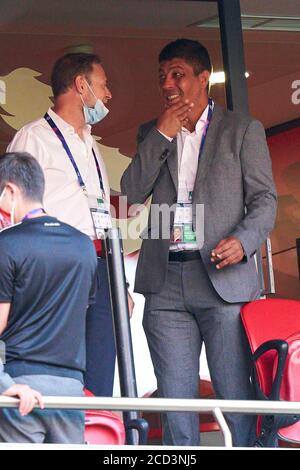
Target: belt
(184, 255)
(99, 248)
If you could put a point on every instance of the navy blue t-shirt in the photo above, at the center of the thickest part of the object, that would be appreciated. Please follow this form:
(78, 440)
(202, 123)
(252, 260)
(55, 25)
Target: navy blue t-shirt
(48, 274)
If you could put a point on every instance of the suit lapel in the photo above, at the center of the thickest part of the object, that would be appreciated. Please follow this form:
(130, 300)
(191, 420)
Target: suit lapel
(208, 152)
(173, 165)
(210, 145)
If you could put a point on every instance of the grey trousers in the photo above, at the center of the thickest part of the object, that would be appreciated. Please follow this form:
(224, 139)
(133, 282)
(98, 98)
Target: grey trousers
(186, 313)
(45, 426)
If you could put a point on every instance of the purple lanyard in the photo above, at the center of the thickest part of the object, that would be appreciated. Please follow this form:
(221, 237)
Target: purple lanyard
(58, 133)
(39, 210)
(209, 116)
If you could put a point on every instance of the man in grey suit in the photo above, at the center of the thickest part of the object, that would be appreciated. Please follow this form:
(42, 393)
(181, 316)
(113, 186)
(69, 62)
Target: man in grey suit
(211, 168)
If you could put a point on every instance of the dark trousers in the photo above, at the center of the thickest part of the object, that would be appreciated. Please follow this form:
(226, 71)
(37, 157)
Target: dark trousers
(185, 314)
(100, 341)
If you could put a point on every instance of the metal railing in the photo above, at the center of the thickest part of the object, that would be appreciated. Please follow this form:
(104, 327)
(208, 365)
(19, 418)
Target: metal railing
(216, 407)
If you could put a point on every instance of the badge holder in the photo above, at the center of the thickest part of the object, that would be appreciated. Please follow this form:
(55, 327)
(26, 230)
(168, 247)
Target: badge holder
(183, 224)
(101, 217)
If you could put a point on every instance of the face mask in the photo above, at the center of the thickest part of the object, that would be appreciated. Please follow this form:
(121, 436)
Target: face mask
(6, 220)
(95, 114)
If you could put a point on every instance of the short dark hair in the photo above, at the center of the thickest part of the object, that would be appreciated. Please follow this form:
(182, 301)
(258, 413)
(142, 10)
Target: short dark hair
(23, 170)
(193, 52)
(68, 67)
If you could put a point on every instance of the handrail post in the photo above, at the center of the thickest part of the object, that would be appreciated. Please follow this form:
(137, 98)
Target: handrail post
(224, 426)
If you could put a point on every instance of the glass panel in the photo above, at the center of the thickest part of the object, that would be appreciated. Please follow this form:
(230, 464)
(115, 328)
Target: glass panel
(273, 60)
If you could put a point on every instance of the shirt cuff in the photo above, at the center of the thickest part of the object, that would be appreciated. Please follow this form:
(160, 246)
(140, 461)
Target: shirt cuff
(170, 139)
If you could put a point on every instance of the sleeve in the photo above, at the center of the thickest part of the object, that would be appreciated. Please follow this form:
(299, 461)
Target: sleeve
(259, 190)
(139, 178)
(7, 275)
(28, 141)
(5, 380)
(93, 290)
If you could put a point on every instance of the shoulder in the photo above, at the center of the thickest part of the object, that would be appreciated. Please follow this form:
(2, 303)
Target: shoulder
(9, 240)
(80, 237)
(32, 127)
(145, 128)
(29, 136)
(8, 232)
(236, 119)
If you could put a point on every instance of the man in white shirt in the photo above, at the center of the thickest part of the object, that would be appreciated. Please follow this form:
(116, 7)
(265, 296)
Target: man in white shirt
(76, 180)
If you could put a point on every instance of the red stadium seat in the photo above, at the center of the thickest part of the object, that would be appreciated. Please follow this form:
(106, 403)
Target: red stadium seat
(103, 427)
(274, 325)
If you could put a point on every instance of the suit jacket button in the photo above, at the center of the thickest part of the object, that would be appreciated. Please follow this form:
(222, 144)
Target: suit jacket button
(164, 154)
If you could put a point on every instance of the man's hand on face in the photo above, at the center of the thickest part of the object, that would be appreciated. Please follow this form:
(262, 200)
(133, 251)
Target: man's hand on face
(228, 251)
(28, 398)
(174, 117)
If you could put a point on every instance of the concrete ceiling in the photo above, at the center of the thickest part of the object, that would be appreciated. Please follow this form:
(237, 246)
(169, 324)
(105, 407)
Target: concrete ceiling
(272, 58)
(127, 13)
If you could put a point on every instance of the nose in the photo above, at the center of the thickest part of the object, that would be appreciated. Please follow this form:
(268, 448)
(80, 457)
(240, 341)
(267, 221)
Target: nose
(108, 94)
(167, 82)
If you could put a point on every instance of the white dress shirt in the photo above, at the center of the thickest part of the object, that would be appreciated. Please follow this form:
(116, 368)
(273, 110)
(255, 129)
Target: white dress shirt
(188, 147)
(64, 197)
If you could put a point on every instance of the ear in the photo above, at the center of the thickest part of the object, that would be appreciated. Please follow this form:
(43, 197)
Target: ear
(12, 190)
(204, 78)
(12, 193)
(80, 84)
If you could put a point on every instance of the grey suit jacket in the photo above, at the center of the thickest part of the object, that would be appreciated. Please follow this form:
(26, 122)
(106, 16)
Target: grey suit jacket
(234, 183)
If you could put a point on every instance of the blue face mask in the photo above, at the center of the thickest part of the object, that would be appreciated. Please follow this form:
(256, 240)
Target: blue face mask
(95, 114)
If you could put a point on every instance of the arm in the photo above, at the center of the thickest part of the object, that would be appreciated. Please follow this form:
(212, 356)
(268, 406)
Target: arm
(155, 145)
(8, 387)
(259, 189)
(139, 178)
(259, 199)
(28, 397)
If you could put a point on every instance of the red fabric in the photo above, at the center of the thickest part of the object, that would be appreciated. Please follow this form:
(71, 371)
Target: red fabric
(98, 244)
(5, 220)
(290, 388)
(269, 319)
(265, 320)
(103, 427)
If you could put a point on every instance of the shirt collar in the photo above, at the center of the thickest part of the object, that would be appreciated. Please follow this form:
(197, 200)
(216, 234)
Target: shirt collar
(200, 123)
(65, 126)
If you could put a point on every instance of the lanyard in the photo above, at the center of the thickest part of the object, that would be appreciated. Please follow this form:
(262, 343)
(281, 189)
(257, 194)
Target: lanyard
(39, 210)
(69, 153)
(209, 116)
(98, 171)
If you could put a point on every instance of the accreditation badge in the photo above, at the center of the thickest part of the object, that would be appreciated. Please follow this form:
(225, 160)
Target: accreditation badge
(183, 222)
(99, 209)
